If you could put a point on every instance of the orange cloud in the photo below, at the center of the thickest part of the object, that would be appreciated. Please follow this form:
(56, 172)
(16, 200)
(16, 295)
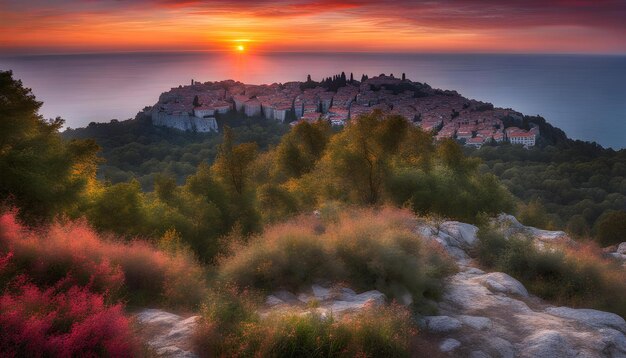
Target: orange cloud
(315, 25)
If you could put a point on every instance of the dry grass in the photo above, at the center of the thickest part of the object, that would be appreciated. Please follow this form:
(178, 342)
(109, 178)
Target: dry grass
(232, 328)
(365, 248)
(577, 276)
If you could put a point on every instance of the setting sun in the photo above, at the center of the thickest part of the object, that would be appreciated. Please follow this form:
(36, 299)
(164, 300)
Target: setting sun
(240, 48)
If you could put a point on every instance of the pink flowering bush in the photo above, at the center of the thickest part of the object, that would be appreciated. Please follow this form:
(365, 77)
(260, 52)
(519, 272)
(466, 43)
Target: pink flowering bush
(134, 271)
(64, 320)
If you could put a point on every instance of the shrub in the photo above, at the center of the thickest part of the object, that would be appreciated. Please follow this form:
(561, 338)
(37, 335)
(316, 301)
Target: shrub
(231, 327)
(575, 276)
(135, 270)
(611, 228)
(62, 322)
(368, 249)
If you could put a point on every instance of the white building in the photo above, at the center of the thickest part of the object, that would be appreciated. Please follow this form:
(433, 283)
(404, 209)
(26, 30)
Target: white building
(527, 139)
(252, 107)
(204, 111)
(239, 100)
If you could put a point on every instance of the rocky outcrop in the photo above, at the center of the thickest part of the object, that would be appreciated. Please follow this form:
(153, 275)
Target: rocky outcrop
(442, 324)
(509, 225)
(617, 252)
(169, 335)
(327, 300)
(481, 314)
(592, 318)
(493, 315)
(501, 282)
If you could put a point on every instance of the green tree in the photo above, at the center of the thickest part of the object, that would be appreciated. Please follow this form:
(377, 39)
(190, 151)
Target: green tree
(578, 226)
(165, 187)
(611, 228)
(233, 167)
(534, 214)
(359, 157)
(450, 153)
(301, 148)
(42, 174)
(119, 208)
(233, 163)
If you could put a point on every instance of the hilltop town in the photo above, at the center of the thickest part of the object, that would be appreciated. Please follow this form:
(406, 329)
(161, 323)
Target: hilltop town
(339, 100)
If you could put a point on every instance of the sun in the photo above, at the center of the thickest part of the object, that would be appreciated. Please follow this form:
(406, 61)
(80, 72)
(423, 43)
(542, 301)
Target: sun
(240, 48)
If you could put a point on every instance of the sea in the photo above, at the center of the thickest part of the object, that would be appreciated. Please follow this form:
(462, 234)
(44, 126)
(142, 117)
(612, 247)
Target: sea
(585, 95)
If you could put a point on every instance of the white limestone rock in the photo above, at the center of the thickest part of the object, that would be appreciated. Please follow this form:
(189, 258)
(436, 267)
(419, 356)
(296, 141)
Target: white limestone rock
(509, 223)
(272, 301)
(442, 324)
(170, 335)
(351, 306)
(546, 235)
(501, 346)
(621, 249)
(474, 271)
(174, 352)
(373, 296)
(321, 293)
(157, 317)
(182, 329)
(286, 296)
(449, 345)
(425, 231)
(510, 226)
(501, 282)
(464, 234)
(590, 317)
(547, 343)
(476, 322)
(347, 293)
(614, 342)
(478, 354)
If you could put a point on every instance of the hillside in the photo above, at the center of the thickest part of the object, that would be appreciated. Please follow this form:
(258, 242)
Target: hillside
(136, 149)
(560, 183)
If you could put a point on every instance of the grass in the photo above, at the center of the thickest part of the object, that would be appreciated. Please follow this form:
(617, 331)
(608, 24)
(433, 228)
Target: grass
(232, 328)
(365, 249)
(577, 276)
(135, 272)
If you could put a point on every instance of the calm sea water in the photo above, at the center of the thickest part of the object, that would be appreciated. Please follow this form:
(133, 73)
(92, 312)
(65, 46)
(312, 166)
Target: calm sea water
(583, 95)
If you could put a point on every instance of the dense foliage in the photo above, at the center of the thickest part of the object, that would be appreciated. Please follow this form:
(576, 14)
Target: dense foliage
(42, 174)
(365, 249)
(135, 149)
(378, 159)
(572, 185)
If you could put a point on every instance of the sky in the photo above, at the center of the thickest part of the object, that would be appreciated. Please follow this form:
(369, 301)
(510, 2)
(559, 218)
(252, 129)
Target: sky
(491, 26)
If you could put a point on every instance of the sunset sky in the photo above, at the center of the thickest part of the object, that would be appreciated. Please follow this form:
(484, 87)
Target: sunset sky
(543, 26)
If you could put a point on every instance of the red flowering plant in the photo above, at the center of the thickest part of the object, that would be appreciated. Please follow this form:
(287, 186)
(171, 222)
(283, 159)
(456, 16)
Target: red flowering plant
(63, 320)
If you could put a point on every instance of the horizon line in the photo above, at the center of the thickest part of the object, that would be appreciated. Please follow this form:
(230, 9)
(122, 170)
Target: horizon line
(322, 52)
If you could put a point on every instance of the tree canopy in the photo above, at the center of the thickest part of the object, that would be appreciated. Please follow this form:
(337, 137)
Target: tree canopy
(42, 174)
